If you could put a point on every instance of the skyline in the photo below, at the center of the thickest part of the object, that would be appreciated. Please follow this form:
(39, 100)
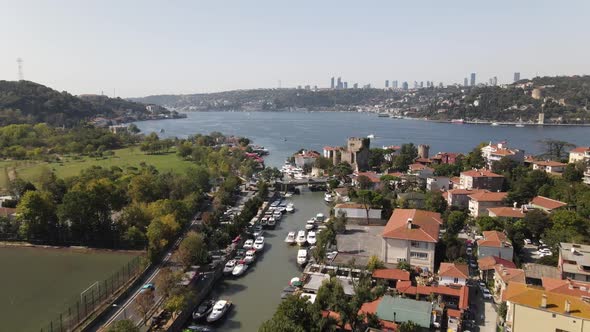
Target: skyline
(141, 48)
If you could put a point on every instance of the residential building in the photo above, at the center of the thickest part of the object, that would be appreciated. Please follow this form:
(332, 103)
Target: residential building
(574, 261)
(438, 183)
(410, 236)
(581, 153)
(480, 202)
(546, 204)
(306, 158)
(502, 277)
(566, 286)
(333, 153)
(459, 197)
(506, 212)
(356, 212)
(420, 170)
(481, 179)
(494, 243)
(516, 76)
(341, 195)
(398, 310)
(374, 179)
(487, 266)
(586, 178)
(535, 273)
(472, 82)
(549, 166)
(455, 296)
(412, 199)
(391, 276)
(453, 274)
(494, 152)
(447, 158)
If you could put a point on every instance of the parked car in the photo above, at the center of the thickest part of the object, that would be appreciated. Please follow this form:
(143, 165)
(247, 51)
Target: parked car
(486, 294)
(527, 241)
(469, 251)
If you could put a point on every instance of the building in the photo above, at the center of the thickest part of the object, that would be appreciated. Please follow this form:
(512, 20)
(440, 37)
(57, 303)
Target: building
(397, 310)
(574, 261)
(549, 166)
(410, 236)
(374, 179)
(356, 212)
(502, 277)
(118, 129)
(472, 83)
(356, 153)
(395, 84)
(386, 84)
(581, 153)
(420, 170)
(332, 83)
(494, 243)
(532, 308)
(339, 83)
(535, 273)
(516, 76)
(459, 197)
(506, 212)
(391, 276)
(481, 179)
(306, 158)
(438, 183)
(447, 158)
(480, 202)
(453, 274)
(546, 204)
(465, 82)
(487, 266)
(495, 152)
(565, 286)
(405, 85)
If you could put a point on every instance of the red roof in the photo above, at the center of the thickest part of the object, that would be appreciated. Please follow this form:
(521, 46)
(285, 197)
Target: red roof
(549, 163)
(508, 274)
(423, 225)
(453, 270)
(6, 212)
(454, 313)
(488, 196)
(547, 203)
(374, 177)
(335, 316)
(488, 263)
(581, 149)
(481, 173)
(461, 292)
(416, 167)
(506, 212)
(566, 287)
(392, 274)
(493, 239)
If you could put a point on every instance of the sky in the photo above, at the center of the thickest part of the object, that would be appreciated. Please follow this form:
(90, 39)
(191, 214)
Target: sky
(133, 48)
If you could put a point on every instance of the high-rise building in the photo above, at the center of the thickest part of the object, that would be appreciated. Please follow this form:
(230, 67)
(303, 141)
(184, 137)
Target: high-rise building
(345, 85)
(339, 83)
(491, 81)
(472, 83)
(440, 85)
(332, 83)
(421, 84)
(386, 84)
(395, 84)
(495, 81)
(465, 82)
(307, 87)
(415, 85)
(405, 85)
(516, 76)
(355, 86)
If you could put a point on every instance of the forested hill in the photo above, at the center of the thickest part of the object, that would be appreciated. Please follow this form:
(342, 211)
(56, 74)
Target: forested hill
(29, 102)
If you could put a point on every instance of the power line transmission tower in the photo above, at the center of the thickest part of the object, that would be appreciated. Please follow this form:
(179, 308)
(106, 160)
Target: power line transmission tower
(21, 76)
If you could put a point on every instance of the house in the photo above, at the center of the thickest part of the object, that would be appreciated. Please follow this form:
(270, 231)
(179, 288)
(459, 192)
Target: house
(399, 310)
(453, 274)
(581, 153)
(447, 158)
(532, 308)
(455, 296)
(341, 194)
(306, 158)
(506, 212)
(391, 151)
(487, 266)
(459, 197)
(494, 152)
(331, 152)
(374, 179)
(412, 199)
(549, 166)
(420, 170)
(437, 183)
(411, 236)
(391, 276)
(546, 204)
(481, 179)
(356, 212)
(574, 261)
(566, 286)
(534, 273)
(481, 201)
(586, 178)
(494, 243)
(502, 277)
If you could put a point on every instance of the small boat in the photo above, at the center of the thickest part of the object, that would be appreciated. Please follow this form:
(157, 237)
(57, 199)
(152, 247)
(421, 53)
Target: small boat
(162, 130)
(272, 223)
(458, 121)
(310, 224)
(328, 198)
(301, 256)
(301, 238)
(239, 269)
(220, 308)
(519, 125)
(290, 208)
(371, 136)
(248, 244)
(289, 194)
(250, 257)
(203, 310)
(229, 266)
(311, 239)
(319, 217)
(290, 239)
(258, 244)
(258, 231)
(495, 124)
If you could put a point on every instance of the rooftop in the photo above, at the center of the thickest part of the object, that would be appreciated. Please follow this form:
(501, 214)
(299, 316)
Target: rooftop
(578, 253)
(413, 224)
(548, 163)
(532, 297)
(481, 173)
(391, 274)
(494, 239)
(539, 271)
(509, 275)
(581, 149)
(488, 196)
(397, 309)
(453, 270)
(547, 203)
(489, 262)
(566, 287)
(506, 212)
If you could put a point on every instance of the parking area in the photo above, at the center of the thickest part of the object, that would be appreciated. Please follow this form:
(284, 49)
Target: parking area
(359, 242)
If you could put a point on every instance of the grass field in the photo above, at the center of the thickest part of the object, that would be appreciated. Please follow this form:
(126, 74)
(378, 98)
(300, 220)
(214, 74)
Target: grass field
(38, 283)
(29, 170)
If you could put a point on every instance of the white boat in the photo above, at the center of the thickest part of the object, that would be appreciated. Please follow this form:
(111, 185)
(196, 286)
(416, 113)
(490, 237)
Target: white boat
(290, 239)
(319, 217)
(458, 121)
(248, 244)
(290, 208)
(239, 270)
(519, 125)
(494, 124)
(301, 239)
(301, 256)
(311, 239)
(220, 308)
(371, 136)
(328, 197)
(287, 195)
(250, 256)
(229, 266)
(310, 224)
(258, 244)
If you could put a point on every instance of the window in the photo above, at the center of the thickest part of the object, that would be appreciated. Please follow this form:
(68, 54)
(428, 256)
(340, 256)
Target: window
(401, 260)
(456, 280)
(415, 244)
(418, 255)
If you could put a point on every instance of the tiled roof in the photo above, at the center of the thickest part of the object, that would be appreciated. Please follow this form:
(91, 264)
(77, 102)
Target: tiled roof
(488, 263)
(374, 177)
(464, 191)
(462, 292)
(508, 274)
(331, 148)
(370, 307)
(506, 212)
(488, 196)
(425, 225)
(393, 274)
(417, 167)
(581, 149)
(548, 163)
(566, 287)
(453, 270)
(547, 203)
(6, 212)
(481, 173)
(493, 239)
(531, 297)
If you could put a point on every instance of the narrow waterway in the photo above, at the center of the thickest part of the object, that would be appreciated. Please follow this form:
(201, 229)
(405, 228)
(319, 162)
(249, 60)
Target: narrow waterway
(257, 294)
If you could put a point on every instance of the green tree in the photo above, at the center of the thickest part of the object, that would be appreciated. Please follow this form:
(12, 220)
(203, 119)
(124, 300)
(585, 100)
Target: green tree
(435, 202)
(364, 182)
(375, 263)
(573, 173)
(404, 266)
(193, 250)
(369, 199)
(294, 314)
(502, 310)
(36, 213)
(408, 326)
(555, 149)
(486, 223)
(474, 159)
(536, 222)
(455, 222)
(124, 325)
(143, 304)
(340, 222)
(175, 304)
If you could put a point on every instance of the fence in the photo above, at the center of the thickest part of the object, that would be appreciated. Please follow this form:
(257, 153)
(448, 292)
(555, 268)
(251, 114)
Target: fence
(84, 305)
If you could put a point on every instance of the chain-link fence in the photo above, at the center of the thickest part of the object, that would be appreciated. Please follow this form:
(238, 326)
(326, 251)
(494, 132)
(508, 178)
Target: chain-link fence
(83, 306)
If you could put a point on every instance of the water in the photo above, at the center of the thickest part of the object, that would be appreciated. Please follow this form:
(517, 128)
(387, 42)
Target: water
(285, 133)
(256, 294)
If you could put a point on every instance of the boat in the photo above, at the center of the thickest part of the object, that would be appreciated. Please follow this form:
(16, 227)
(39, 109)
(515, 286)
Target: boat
(319, 217)
(258, 231)
(289, 194)
(300, 238)
(272, 223)
(328, 198)
(311, 239)
(239, 269)
(495, 124)
(371, 136)
(519, 125)
(248, 244)
(301, 256)
(203, 310)
(220, 308)
(162, 130)
(458, 121)
(258, 244)
(199, 328)
(383, 115)
(290, 239)
(290, 208)
(310, 224)
(229, 266)
(250, 256)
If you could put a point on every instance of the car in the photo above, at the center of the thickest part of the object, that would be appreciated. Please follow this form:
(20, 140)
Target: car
(469, 251)
(473, 264)
(482, 285)
(148, 286)
(486, 294)
(527, 241)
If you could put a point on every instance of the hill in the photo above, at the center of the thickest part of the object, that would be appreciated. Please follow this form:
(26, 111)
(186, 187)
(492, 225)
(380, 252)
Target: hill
(29, 102)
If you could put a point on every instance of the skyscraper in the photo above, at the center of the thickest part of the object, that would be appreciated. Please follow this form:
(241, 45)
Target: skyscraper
(345, 85)
(339, 83)
(332, 83)
(415, 85)
(395, 84)
(472, 79)
(516, 76)
(355, 86)
(421, 84)
(465, 82)
(405, 85)
(386, 84)
(495, 81)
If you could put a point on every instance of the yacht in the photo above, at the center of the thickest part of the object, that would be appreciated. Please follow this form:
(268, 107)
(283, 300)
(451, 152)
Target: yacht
(300, 238)
(311, 239)
(248, 244)
(328, 198)
(229, 266)
(519, 125)
(290, 239)
(290, 208)
(250, 256)
(203, 310)
(371, 136)
(458, 121)
(239, 269)
(301, 256)
(220, 308)
(258, 244)
(289, 194)
(495, 124)
(320, 217)
(310, 224)
(272, 222)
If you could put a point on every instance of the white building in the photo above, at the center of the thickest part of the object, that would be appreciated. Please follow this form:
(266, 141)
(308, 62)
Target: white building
(453, 274)
(495, 152)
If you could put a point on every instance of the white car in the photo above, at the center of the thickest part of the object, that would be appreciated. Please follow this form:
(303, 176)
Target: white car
(486, 294)
(527, 241)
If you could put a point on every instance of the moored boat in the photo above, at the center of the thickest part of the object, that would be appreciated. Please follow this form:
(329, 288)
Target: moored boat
(320, 217)
(328, 198)
(250, 256)
(301, 257)
(248, 244)
(290, 239)
(229, 266)
(258, 244)
(272, 223)
(300, 238)
(220, 308)
(239, 269)
(290, 208)
(311, 238)
(310, 224)
(203, 310)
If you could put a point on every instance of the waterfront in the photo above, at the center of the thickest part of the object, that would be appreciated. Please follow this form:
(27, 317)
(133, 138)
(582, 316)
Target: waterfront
(286, 132)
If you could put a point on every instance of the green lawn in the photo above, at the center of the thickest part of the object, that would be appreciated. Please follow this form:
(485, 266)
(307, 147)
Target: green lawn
(29, 170)
(37, 284)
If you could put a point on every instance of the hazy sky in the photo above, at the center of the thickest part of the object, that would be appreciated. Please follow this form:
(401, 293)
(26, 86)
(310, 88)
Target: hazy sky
(155, 47)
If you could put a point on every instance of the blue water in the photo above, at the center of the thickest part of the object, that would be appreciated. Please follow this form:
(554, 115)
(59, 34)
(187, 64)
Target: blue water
(286, 132)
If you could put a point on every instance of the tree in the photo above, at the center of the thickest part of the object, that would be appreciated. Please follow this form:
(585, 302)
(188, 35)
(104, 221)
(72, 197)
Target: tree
(404, 266)
(294, 314)
(143, 304)
(474, 159)
(36, 213)
(375, 263)
(376, 158)
(18, 187)
(502, 310)
(504, 165)
(536, 222)
(555, 149)
(167, 281)
(369, 199)
(435, 202)
(406, 156)
(487, 223)
(573, 173)
(132, 128)
(176, 303)
(364, 182)
(343, 169)
(124, 325)
(340, 222)
(408, 326)
(456, 222)
(193, 250)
